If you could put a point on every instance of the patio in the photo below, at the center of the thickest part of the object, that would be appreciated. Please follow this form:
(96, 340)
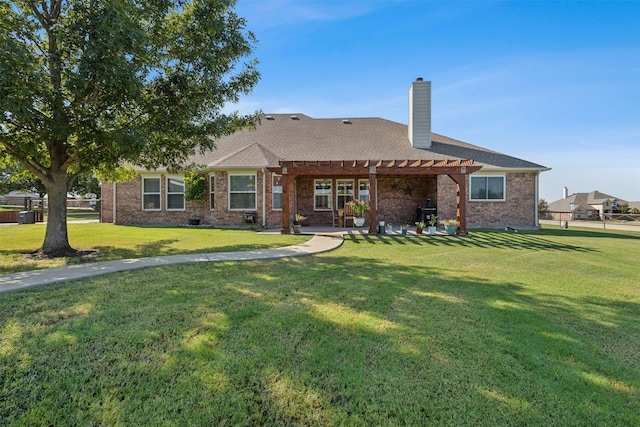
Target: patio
(329, 230)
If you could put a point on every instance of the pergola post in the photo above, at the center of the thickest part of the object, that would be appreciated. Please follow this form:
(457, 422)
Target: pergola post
(373, 202)
(461, 201)
(287, 189)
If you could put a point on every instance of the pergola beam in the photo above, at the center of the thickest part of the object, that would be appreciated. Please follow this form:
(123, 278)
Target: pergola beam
(384, 167)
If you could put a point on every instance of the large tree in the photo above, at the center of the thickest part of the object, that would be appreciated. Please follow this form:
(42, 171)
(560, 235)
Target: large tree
(89, 85)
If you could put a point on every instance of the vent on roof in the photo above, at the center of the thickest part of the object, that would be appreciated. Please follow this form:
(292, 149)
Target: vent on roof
(295, 118)
(346, 121)
(270, 118)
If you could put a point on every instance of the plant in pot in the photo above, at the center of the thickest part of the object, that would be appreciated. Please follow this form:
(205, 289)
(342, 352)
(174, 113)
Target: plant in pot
(196, 189)
(433, 221)
(420, 225)
(451, 225)
(404, 228)
(297, 222)
(359, 208)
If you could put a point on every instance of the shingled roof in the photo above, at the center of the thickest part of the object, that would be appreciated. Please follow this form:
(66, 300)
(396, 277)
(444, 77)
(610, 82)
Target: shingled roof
(584, 200)
(302, 138)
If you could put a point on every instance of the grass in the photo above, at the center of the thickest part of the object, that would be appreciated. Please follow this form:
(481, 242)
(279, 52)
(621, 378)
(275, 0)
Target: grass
(539, 328)
(83, 214)
(121, 242)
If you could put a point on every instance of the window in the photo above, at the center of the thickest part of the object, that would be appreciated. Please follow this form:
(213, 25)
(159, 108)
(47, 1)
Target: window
(363, 190)
(175, 194)
(344, 193)
(487, 188)
(276, 192)
(212, 192)
(242, 192)
(322, 192)
(150, 194)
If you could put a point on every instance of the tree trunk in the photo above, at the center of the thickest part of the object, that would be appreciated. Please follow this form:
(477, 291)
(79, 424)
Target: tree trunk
(56, 240)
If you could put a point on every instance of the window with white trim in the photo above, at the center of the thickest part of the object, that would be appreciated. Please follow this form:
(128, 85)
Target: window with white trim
(242, 192)
(363, 190)
(276, 192)
(175, 193)
(344, 192)
(487, 187)
(151, 194)
(322, 194)
(212, 192)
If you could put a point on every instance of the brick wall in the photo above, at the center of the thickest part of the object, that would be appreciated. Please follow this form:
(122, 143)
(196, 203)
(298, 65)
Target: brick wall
(517, 210)
(447, 198)
(129, 200)
(398, 198)
(106, 202)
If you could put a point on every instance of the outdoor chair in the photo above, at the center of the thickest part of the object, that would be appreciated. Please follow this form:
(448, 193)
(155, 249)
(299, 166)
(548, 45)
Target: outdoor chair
(348, 214)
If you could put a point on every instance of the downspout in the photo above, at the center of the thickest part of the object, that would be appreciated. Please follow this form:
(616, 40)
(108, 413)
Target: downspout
(536, 203)
(264, 198)
(114, 203)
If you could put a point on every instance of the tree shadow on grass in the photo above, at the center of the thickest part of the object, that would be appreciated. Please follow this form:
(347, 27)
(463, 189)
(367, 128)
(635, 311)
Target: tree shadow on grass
(484, 239)
(323, 340)
(164, 248)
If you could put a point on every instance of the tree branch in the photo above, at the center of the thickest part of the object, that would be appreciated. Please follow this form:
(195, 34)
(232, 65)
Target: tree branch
(32, 165)
(73, 158)
(72, 177)
(42, 18)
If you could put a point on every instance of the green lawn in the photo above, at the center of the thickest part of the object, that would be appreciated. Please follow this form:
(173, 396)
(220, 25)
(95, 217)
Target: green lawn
(82, 214)
(120, 242)
(536, 329)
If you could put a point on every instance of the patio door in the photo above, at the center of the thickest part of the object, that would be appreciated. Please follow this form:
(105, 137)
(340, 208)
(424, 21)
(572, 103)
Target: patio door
(344, 192)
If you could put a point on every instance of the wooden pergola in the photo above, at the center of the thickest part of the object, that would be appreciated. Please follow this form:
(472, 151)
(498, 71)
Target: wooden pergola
(455, 169)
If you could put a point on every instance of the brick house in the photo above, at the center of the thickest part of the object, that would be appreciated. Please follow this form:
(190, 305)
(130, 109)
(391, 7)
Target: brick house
(294, 163)
(593, 205)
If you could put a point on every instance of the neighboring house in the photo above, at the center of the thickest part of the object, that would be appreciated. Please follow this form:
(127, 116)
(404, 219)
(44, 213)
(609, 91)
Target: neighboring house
(634, 205)
(294, 163)
(591, 205)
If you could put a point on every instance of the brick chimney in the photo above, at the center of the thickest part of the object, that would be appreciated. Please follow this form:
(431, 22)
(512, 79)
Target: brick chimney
(420, 114)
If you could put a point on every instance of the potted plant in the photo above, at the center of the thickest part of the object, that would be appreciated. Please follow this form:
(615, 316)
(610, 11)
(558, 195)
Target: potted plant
(419, 226)
(404, 228)
(297, 222)
(451, 225)
(433, 221)
(359, 208)
(196, 189)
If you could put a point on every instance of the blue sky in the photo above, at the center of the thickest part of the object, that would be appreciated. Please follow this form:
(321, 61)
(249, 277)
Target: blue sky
(553, 82)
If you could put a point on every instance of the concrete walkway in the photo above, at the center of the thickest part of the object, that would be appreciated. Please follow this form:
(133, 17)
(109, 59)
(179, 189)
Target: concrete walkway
(27, 279)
